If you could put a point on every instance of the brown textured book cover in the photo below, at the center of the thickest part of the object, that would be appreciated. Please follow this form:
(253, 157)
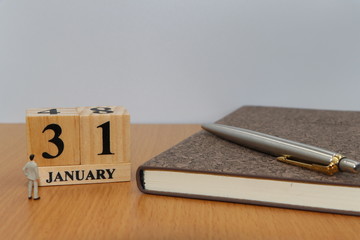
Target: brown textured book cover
(338, 131)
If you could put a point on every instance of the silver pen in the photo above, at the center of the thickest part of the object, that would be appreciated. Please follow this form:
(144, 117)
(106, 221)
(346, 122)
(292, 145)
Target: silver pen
(287, 151)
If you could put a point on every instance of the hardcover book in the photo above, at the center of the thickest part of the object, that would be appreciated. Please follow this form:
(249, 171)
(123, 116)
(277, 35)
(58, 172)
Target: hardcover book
(204, 166)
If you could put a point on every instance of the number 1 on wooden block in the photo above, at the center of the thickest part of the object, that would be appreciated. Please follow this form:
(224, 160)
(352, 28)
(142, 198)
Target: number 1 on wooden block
(105, 138)
(104, 135)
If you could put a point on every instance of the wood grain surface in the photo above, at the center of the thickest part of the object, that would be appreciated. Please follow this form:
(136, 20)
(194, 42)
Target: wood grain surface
(121, 211)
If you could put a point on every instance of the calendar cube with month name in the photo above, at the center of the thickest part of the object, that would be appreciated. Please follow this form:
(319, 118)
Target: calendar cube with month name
(80, 145)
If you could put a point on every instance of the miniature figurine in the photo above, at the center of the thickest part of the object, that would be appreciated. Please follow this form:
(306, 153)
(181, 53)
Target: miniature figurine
(32, 173)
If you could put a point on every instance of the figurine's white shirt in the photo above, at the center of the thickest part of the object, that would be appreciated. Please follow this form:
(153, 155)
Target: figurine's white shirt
(31, 170)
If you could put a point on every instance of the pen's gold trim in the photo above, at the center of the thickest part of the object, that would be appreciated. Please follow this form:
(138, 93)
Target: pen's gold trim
(329, 169)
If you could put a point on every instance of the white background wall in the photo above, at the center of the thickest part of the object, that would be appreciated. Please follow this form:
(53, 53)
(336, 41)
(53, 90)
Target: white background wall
(180, 61)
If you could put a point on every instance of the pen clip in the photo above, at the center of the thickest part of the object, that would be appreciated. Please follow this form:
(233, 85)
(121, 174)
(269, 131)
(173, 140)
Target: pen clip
(330, 169)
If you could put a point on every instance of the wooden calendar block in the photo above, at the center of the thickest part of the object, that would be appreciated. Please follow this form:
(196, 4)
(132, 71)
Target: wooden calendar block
(53, 135)
(80, 145)
(104, 135)
(84, 174)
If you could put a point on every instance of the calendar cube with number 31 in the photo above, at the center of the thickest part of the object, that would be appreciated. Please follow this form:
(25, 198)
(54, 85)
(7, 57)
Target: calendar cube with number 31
(80, 145)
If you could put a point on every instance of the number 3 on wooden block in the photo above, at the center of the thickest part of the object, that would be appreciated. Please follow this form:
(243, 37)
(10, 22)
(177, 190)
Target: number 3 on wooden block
(104, 135)
(53, 135)
(55, 140)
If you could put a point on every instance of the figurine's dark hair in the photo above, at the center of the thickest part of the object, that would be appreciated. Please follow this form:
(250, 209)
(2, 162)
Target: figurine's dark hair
(31, 157)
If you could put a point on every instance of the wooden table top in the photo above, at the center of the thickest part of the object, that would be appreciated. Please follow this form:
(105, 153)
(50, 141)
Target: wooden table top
(121, 211)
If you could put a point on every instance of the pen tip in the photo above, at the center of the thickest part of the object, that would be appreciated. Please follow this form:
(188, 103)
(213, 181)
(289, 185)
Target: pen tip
(207, 126)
